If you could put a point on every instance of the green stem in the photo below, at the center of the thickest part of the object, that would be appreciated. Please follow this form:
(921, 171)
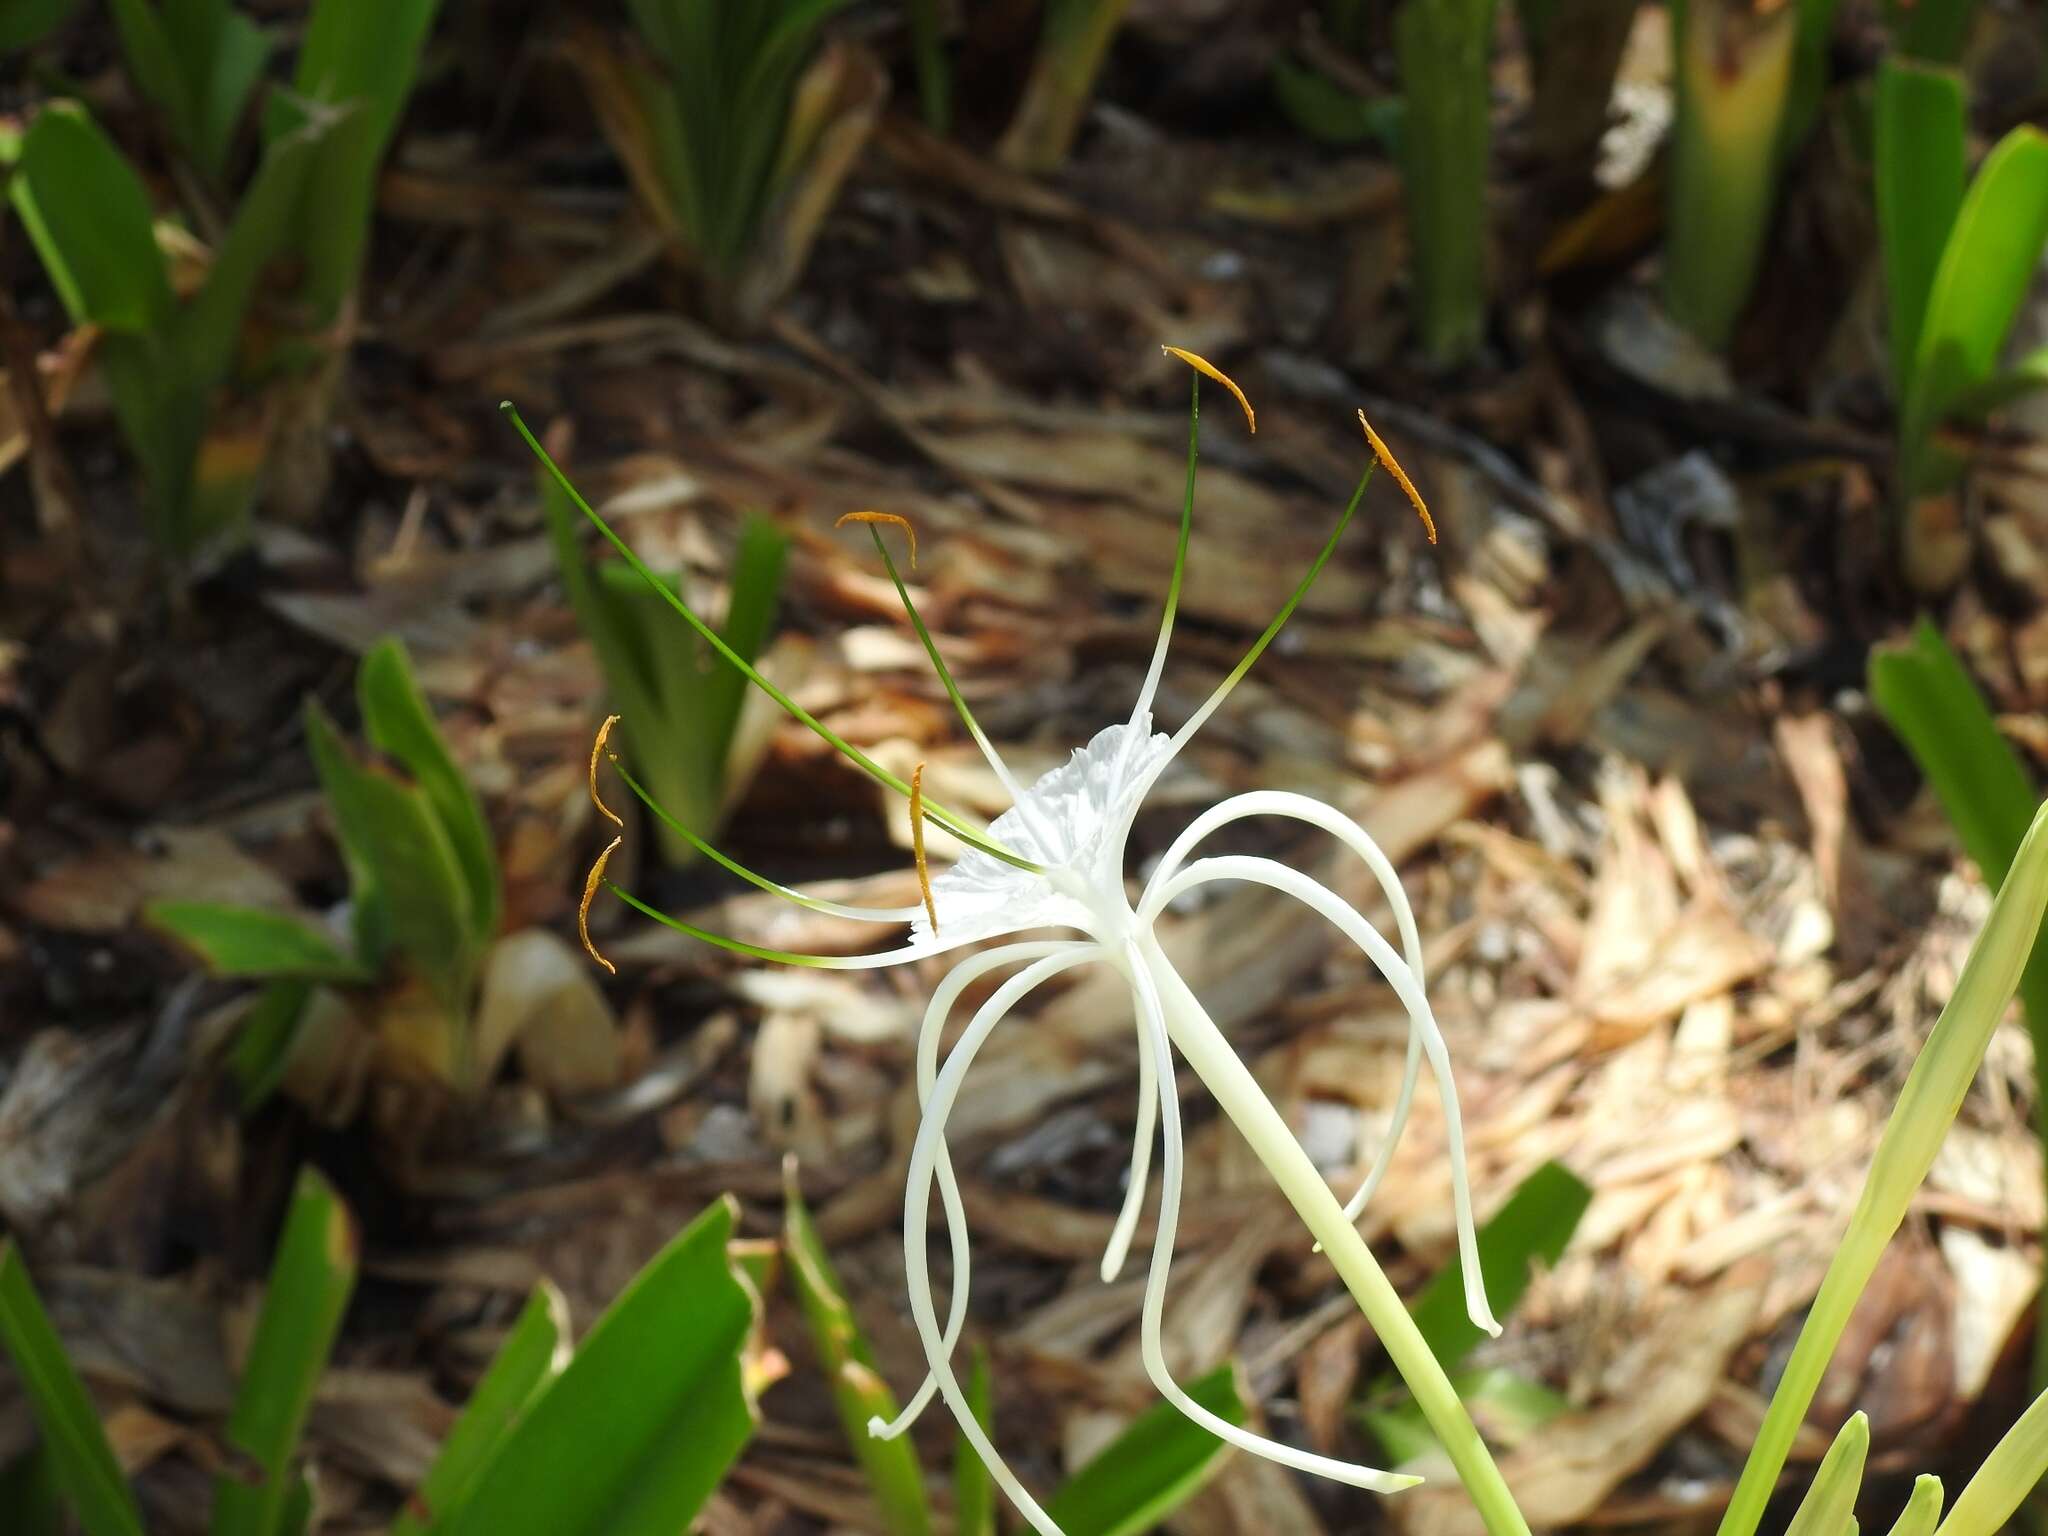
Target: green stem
(1232, 1085)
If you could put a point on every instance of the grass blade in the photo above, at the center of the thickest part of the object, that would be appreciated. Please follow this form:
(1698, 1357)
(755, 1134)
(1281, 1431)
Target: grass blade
(632, 1438)
(532, 1356)
(31, 1495)
(311, 1277)
(1156, 1465)
(850, 1365)
(89, 217)
(1923, 1509)
(1927, 1106)
(1920, 154)
(81, 1460)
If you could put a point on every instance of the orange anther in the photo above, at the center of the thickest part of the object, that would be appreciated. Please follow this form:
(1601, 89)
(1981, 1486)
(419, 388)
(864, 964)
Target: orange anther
(909, 532)
(1204, 366)
(1386, 457)
(596, 875)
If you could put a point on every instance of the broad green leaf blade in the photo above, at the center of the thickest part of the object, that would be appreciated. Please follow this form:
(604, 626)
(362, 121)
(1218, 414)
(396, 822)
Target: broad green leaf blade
(397, 720)
(1830, 1502)
(263, 1042)
(1152, 1468)
(1923, 1509)
(749, 620)
(850, 1365)
(974, 1490)
(250, 942)
(81, 1459)
(363, 56)
(1920, 165)
(241, 50)
(1816, 21)
(31, 1494)
(210, 328)
(1924, 694)
(1446, 141)
(341, 780)
(1984, 273)
(154, 61)
(89, 217)
(1533, 1226)
(1934, 1090)
(633, 1437)
(311, 1276)
(1330, 114)
(421, 882)
(1508, 1407)
(24, 21)
(533, 1354)
(2015, 1465)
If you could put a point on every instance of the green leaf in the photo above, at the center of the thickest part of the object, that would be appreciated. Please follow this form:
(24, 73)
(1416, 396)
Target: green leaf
(250, 942)
(1446, 147)
(25, 21)
(1534, 1226)
(1985, 271)
(397, 720)
(1152, 1468)
(850, 1366)
(365, 56)
(154, 62)
(2026, 376)
(1830, 1503)
(240, 50)
(421, 884)
(749, 621)
(263, 1041)
(974, 1490)
(311, 1276)
(80, 1458)
(2008, 1475)
(1920, 165)
(1933, 1092)
(31, 1494)
(633, 1437)
(209, 330)
(532, 1356)
(1924, 694)
(1923, 1508)
(1508, 1407)
(1330, 114)
(342, 780)
(89, 217)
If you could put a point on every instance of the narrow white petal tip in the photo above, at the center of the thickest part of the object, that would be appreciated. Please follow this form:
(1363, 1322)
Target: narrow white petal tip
(1484, 1319)
(1401, 1482)
(880, 1428)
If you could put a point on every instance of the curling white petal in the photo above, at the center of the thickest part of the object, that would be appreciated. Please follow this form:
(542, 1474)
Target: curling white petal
(917, 1198)
(1153, 1041)
(944, 998)
(1319, 897)
(1126, 1227)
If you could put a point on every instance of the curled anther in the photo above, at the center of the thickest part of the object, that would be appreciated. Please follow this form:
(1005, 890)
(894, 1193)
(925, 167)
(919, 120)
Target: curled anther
(924, 875)
(909, 532)
(596, 875)
(1202, 365)
(1385, 455)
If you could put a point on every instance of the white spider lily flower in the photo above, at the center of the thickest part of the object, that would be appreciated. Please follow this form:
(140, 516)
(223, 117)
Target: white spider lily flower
(1056, 860)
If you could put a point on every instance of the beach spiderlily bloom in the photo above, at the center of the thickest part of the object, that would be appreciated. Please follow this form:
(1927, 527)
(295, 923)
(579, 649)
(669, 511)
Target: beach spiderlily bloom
(1054, 866)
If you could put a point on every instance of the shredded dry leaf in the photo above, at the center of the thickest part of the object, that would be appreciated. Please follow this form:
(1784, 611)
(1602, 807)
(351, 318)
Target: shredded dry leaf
(909, 532)
(924, 874)
(1202, 365)
(596, 875)
(1393, 467)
